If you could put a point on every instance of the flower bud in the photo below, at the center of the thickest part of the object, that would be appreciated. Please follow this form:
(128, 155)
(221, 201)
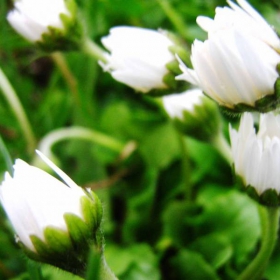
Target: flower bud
(141, 58)
(194, 114)
(256, 157)
(237, 65)
(52, 24)
(55, 222)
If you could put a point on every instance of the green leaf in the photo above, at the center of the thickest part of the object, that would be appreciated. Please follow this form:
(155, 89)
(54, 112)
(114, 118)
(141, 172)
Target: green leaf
(191, 265)
(135, 262)
(233, 215)
(215, 248)
(160, 146)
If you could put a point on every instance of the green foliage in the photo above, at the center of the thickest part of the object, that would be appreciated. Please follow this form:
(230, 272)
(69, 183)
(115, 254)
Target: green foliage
(152, 229)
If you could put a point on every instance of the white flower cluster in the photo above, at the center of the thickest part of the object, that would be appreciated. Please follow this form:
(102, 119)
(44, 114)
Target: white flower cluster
(237, 63)
(256, 156)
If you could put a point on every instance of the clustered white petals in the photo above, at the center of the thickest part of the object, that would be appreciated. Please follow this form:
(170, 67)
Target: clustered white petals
(31, 18)
(138, 57)
(176, 104)
(243, 17)
(237, 63)
(33, 200)
(256, 156)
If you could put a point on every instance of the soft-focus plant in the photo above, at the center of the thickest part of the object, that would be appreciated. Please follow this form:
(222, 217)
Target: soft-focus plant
(159, 163)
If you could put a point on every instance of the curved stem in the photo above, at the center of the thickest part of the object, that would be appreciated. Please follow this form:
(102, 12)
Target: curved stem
(18, 111)
(78, 133)
(91, 48)
(270, 221)
(7, 158)
(185, 166)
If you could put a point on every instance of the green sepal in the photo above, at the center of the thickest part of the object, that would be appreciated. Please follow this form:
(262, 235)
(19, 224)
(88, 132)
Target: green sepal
(203, 123)
(269, 197)
(67, 38)
(43, 250)
(80, 232)
(263, 105)
(172, 86)
(92, 210)
(58, 240)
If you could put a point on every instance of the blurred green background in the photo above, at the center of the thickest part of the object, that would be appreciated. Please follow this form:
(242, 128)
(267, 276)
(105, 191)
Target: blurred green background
(152, 230)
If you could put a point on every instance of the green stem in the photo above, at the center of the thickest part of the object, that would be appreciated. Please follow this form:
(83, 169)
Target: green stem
(105, 272)
(18, 111)
(77, 132)
(174, 17)
(220, 143)
(7, 158)
(91, 48)
(186, 168)
(61, 63)
(270, 221)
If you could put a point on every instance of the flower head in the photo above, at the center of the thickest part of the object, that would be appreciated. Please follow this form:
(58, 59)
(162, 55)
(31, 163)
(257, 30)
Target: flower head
(50, 23)
(193, 113)
(237, 65)
(138, 57)
(52, 219)
(256, 155)
(234, 69)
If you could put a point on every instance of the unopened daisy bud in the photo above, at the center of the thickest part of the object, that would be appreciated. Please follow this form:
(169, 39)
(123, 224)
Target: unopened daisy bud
(55, 222)
(236, 66)
(141, 58)
(236, 70)
(256, 157)
(52, 24)
(194, 114)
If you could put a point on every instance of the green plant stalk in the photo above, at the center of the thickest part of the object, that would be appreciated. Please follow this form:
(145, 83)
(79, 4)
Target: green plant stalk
(18, 111)
(220, 143)
(270, 223)
(7, 158)
(174, 17)
(76, 132)
(186, 168)
(61, 63)
(105, 272)
(91, 48)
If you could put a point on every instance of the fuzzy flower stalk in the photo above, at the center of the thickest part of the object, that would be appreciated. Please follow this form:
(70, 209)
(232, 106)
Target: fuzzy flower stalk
(51, 24)
(55, 222)
(143, 59)
(237, 65)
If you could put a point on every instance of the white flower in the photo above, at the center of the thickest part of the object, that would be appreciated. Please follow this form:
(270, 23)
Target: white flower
(138, 57)
(233, 67)
(176, 104)
(32, 18)
(256, 156)
(243, 17)
(34, 200)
